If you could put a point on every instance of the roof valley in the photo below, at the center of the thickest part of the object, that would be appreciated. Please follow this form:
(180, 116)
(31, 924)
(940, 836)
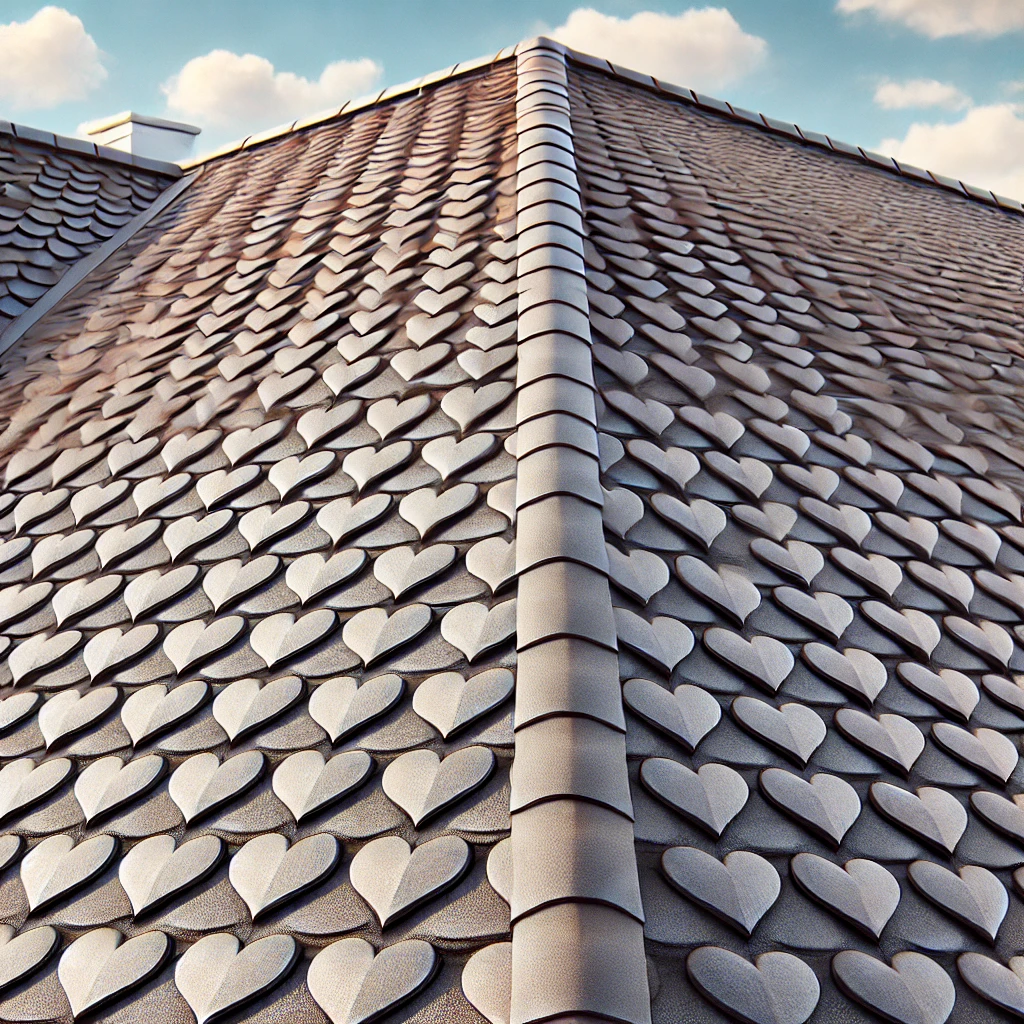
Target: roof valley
(577, 917)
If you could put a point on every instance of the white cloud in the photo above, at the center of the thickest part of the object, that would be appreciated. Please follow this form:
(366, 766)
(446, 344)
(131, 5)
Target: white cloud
(985, 147)
(704, 48)
(939, 18)
(48, 60)
(920, 92)
(243, 93)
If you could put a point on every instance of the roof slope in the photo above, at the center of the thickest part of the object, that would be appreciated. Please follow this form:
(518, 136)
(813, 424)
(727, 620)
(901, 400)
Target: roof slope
(699, 436)
(55, 208)
(829, 462)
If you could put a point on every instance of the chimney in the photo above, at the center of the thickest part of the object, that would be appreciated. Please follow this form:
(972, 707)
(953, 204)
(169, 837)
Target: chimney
(151, 137)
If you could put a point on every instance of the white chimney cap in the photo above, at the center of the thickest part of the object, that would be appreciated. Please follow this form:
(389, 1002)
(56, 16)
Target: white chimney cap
(151, 137)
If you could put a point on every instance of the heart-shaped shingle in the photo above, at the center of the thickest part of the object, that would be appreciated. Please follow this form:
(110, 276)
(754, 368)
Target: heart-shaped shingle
(425, 510)
(21, 955)
(201, 784)
(487, 981)
(467, 405)
(373, 634)
(365, 465)
(847, 522)
(402, 569)
(17, 601)
(318, 424)
(341, 706)
(687, 714)
(111, 648)
(396, 879)
(797, 559)
(664, 642)
(294, 473)
(773, 519)
(493, 560)
(185, 535)
(777, 988)
(261, 525)
(312, 575)
(306, 783)
(857, 672)
(69, 712)
(860, 891)
(891, 738)
(740, 890)
(973, 895)
(54, 550)
(793, 728)
(216, 976)
(986, 750)
(231, 580)
(423, 785)
(728, 589)
(23, 782)
(157, 870)
(912, 628)
(621, 512)
(220, 486)
(762, 659)
(1003, 986)
(826, 805)
(640, 574)
(56, 866)
(475, 629)
(193, 642)
(828, 613)
(17, 708)
(914, 990)
(988, 639)
(108, 783)
(267, 871)
(153, 709)
(451, 457)
(352, 985)
(450, 702)
(931, 814)
(280, 637)
(343, 518)
(950, 691)
(100, 966)
(246, 705)
(700, 520)
(951, 584)
(79, 597)
(1007, 816)
(40, 652)
(678, 466)
(711, 796)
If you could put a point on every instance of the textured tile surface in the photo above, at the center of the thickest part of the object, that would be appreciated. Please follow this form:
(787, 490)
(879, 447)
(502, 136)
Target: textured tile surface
(544, 387)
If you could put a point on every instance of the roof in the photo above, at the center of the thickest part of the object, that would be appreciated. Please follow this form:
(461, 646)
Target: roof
(537, 417)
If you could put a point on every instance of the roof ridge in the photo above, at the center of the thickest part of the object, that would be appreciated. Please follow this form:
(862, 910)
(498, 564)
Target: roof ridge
(576, 912)
(82, 147)
(708, 103)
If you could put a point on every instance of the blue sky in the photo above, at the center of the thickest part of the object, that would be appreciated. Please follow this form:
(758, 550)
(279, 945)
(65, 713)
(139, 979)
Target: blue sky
(817, 62)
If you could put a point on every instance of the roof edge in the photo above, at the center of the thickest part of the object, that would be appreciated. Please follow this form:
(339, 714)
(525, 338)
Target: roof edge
(82, 147)
(711, 104)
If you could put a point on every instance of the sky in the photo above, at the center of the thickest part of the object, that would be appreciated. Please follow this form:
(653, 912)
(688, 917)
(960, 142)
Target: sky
(937, 83)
